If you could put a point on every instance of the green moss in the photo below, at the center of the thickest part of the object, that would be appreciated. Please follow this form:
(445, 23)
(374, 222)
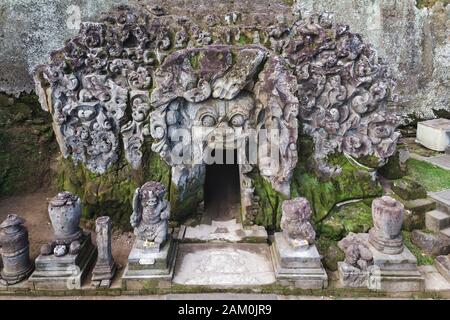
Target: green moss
(244, 39)
(432, 177)
(330, 252)
(270, 202)
(194, 59)
(422, 258)
(352, 183)
(429, 3)
(409, 189)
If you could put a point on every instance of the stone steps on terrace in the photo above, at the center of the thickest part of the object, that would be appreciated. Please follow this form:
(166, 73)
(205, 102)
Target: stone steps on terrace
(438, 220)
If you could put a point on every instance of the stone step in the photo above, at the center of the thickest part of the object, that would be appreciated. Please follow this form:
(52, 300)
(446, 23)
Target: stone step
(442, 199)
(446, 232)
(436, 220)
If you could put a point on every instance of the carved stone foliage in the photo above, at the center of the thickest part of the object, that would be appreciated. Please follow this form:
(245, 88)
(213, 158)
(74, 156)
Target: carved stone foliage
(141, 72)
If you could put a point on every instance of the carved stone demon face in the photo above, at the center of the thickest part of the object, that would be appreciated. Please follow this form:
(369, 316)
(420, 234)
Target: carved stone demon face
(224, 122)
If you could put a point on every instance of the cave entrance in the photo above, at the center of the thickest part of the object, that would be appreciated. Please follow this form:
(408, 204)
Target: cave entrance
(222, 190)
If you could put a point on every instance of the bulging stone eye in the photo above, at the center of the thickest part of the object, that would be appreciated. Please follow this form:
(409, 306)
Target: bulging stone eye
(208, 121)
(237, 120)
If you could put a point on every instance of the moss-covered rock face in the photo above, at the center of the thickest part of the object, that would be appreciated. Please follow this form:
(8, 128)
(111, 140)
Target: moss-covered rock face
(111, 193)
(354, 182)
(27, 145)
(409, 189)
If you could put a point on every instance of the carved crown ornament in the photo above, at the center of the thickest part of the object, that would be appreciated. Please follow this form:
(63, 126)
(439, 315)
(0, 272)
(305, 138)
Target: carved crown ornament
(141, 74)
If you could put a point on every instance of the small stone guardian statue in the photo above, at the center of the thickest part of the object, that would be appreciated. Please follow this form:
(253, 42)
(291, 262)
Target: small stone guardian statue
(295, 222)
(15, 250)
(150, 214)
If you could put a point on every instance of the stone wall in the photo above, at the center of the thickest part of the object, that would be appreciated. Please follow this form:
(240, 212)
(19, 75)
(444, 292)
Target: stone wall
(414, 41)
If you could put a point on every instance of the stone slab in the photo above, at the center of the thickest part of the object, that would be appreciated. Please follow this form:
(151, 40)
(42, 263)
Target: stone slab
(442, 199)
(436, 220)
(291, 258)
(445, 232)
(434, 134)
(442, 264)
(224, 265)
(434, 281)
(229, 231)
(66, 272)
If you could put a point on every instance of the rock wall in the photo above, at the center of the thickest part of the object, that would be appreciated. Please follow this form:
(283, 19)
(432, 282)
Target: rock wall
(414, 41)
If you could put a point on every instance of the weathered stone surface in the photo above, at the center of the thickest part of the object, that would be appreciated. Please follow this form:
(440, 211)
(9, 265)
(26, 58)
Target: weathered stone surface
(387, 216)
(64, 272)
(398, 30)
(443, 266)
(434, 134)
(408, 189)
(295, 224)
(433, 244)
(105, 267)
(297, 266)
(14, 251)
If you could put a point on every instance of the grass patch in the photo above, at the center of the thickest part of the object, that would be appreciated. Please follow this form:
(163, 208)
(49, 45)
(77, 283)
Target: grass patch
(432, 177)
(429, 3)
(422, 257)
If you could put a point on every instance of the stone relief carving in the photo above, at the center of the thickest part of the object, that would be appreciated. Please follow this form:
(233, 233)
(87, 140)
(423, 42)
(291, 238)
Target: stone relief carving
(141, 73)
(150, 213)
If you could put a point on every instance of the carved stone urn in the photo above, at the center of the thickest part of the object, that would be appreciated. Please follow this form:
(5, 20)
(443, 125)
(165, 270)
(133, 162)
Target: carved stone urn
(15, 250)
(387, 215)
(65, 213)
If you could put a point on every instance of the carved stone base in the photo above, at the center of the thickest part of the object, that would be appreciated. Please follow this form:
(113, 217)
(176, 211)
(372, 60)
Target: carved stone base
(442, 264)
(388, 246)
(148, 266)
(299, 267)
(66, 272)
(389, 273)
(103, 274)
(8, 279)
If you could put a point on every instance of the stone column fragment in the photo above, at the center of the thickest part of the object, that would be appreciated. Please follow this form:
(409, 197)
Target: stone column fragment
(105, 268)
(15, 250)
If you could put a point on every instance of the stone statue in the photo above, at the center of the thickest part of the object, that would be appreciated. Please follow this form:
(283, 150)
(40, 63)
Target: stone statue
(295, 221)
(14, 250)
(151, 213)
(65, 214)
(357, 253)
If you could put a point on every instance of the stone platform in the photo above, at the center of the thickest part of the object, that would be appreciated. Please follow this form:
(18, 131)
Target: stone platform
(224, 265)
(66, 272)
(389, 272)
(442, 264)
(299, 267)
(434, 134)
(150, 266)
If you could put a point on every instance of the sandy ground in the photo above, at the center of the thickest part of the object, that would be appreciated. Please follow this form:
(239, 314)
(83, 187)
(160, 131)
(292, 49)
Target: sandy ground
(33, 207)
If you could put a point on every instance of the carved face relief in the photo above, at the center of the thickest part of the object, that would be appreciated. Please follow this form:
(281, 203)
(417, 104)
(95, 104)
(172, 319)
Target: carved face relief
(225, 119)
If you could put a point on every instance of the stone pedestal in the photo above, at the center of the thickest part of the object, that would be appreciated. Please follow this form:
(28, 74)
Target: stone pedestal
(105, 267)
(297, 266)
(65, 272)
(434, 134)
(389, 272)
(150, 265)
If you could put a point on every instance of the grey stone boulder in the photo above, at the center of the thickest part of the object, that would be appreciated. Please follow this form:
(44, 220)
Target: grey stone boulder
(432, 244)
(409, 189)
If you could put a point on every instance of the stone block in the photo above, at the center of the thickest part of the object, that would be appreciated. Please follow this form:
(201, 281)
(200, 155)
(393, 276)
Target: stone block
(436, 220)
(442, 199)
(433, 244)
(148, 266)
(442, 264)
(408, 189)
(299, 267)
(434, 134)
(413, 221)
(66, 272)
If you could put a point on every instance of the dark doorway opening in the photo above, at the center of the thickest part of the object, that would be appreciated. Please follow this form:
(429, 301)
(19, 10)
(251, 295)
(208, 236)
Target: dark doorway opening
(222, 191)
